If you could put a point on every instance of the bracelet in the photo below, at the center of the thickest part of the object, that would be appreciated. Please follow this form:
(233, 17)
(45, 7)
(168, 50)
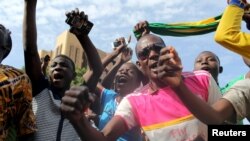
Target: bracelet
(238, 3)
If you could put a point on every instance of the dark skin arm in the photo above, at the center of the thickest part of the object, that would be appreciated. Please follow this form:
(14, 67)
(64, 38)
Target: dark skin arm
(94, 61)
(77, 100)
(109, 58)
(221, 110)
(109, 78)
(126, 55)
(111, 132)
(31, 56)
(170, 69)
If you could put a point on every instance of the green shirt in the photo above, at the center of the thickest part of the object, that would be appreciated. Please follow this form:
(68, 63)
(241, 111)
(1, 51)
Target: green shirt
(231, 83)
(228, 86)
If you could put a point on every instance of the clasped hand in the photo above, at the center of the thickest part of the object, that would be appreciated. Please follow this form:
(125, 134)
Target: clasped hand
(170, 67)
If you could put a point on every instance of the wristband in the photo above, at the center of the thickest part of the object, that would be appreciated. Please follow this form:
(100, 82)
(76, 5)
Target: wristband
(239, 3)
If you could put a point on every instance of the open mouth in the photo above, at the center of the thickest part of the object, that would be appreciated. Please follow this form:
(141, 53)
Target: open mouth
(58, 76)
(206, 68)
(122, 80)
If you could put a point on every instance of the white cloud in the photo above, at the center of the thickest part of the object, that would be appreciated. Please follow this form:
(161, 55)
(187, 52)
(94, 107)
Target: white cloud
(132, 17)
(115, 18)
(146, 4)
(101, 11)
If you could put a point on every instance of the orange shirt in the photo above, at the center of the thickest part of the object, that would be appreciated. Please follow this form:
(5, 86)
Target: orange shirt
(15, 104)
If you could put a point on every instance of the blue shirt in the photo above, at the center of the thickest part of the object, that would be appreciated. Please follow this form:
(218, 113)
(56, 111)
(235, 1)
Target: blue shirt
(108, 107)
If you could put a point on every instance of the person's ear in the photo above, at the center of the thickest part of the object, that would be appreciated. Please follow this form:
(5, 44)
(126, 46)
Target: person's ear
(220, 69)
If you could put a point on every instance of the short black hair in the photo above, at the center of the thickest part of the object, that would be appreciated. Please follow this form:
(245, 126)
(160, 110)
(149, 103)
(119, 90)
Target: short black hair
(138, 72)
(66, 57)
(206, 51)
(6, 39)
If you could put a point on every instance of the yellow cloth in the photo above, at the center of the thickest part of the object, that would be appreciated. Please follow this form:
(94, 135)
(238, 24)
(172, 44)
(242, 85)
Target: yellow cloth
(229, 34)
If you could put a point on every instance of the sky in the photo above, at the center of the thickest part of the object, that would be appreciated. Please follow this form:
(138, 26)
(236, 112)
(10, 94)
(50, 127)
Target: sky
(116, 18)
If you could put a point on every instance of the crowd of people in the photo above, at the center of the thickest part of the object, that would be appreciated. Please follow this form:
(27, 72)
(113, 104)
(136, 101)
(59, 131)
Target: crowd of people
(152, 99)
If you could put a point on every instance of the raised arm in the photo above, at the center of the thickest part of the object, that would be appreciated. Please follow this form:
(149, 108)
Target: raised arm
(229, 34)
(93, 57)
(31, 56)
(108, 59)
(126, 55)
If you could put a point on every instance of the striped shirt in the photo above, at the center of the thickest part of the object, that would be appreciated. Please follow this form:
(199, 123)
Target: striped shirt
(50, 122)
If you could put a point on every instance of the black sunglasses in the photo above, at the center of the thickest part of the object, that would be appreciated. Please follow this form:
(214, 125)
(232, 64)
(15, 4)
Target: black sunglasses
(144, 53)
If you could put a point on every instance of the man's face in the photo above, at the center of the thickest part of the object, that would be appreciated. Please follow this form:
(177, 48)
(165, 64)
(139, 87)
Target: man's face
(209, 62)
(127, 79)
(148, 51)
(61, 73)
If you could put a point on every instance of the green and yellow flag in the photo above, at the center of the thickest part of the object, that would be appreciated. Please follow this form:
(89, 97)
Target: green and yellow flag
(185, 28)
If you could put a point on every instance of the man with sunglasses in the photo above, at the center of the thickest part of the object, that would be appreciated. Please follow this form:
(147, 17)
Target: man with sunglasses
(17, 121)
(156, 108)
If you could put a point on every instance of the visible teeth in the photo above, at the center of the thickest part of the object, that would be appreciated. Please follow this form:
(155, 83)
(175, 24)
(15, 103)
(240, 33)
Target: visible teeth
(122, 80)
(58, 76)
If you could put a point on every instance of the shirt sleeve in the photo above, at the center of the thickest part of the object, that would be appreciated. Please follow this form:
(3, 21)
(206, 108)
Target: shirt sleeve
(229, 34)
(239, 96)
(213, 91)
(124, 110)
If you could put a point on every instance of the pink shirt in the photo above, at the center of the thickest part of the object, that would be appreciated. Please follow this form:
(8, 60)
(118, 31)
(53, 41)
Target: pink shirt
(163, 116)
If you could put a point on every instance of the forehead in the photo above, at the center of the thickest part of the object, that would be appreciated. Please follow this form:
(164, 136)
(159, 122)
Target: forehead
(206, 54)
(149, 41)
(61, 59)
(128, 66)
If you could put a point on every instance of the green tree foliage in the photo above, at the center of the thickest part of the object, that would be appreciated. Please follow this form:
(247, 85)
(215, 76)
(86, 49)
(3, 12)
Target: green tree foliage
(78, 79)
